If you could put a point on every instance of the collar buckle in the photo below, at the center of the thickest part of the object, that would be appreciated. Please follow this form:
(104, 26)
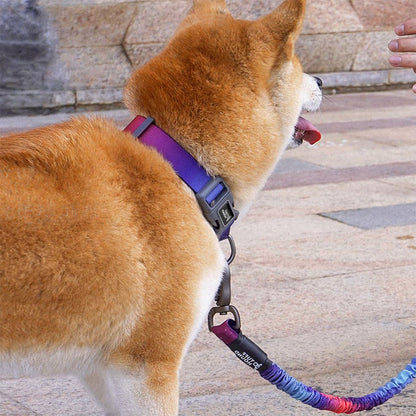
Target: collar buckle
(217, 204)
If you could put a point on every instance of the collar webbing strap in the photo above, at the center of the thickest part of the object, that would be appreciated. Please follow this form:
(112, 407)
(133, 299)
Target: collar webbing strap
(212, 193)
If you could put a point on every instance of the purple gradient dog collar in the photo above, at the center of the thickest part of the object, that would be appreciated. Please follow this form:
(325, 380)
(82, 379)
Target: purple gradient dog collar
(212, 193)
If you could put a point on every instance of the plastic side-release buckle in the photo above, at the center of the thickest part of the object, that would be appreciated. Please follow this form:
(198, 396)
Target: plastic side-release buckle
(217, 204)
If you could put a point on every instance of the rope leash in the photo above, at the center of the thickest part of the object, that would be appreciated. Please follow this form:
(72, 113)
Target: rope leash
(251, 354)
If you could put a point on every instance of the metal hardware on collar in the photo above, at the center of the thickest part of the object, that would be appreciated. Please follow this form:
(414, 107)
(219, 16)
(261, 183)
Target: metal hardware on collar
(212, 193)
(223, 310)
(217, 204)
(141, 128)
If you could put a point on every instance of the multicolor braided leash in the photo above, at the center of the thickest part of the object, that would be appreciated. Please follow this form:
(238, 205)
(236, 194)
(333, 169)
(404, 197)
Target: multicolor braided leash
(251, 354)
(248, 352)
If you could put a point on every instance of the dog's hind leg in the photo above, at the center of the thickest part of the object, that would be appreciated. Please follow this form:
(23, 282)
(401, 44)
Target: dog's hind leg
(100, 382)
(161, 389)
(147, 392)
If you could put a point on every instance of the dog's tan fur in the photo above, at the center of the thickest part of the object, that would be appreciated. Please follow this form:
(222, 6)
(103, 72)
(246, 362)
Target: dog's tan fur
(107, 266)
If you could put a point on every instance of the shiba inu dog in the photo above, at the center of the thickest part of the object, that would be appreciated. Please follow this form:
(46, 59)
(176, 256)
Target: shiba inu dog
(107, 265)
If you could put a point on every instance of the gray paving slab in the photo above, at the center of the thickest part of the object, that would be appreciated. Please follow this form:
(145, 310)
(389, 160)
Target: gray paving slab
(376, 217)
(381, 123)
(290, 164)
(312, 175)
(374, 101)
(10, 407)
(49, 396)
(265, 400)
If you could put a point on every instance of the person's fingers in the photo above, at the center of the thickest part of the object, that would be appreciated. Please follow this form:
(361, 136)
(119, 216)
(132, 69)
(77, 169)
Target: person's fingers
(404, 61)
(403, 45)
(407, 60)
(394, 45)
(406, 28)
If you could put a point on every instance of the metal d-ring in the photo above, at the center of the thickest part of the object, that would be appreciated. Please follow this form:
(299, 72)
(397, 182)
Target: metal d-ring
(223, 311)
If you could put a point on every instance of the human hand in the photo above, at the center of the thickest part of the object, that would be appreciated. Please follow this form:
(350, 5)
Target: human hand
(405, 46)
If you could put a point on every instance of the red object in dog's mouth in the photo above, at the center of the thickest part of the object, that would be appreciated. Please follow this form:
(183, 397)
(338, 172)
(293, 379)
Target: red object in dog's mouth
(305, 130)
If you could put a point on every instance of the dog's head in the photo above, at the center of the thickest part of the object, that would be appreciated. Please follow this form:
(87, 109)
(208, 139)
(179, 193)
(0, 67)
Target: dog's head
(230, 91)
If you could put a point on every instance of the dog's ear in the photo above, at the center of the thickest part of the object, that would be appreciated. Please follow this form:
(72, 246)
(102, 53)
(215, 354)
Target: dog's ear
(286, 21)
(209, 6)
(281, 28)
(203, 9)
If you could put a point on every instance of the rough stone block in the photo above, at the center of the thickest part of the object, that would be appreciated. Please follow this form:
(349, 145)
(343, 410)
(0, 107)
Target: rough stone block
(9, 102)
(373, 53)
(323, 16)
(156, 21)
(23, 66)
(383, 14)
(355, 79)
(252, 9)
(46, 3)
(89, 46)
(27, 47)
(21, 21)
(91, 25)
(329, 52)
(331, 16)
(402, 76)
(142, 53)
(96, 67)
(100, 96)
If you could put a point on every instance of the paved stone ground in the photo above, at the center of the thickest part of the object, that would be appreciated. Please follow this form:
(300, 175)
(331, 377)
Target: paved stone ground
(324, 278)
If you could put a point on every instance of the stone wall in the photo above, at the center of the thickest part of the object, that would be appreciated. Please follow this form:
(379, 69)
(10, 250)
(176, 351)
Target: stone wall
(72, 53)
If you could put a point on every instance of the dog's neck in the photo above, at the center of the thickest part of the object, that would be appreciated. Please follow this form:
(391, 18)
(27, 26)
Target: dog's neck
(212, 193)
